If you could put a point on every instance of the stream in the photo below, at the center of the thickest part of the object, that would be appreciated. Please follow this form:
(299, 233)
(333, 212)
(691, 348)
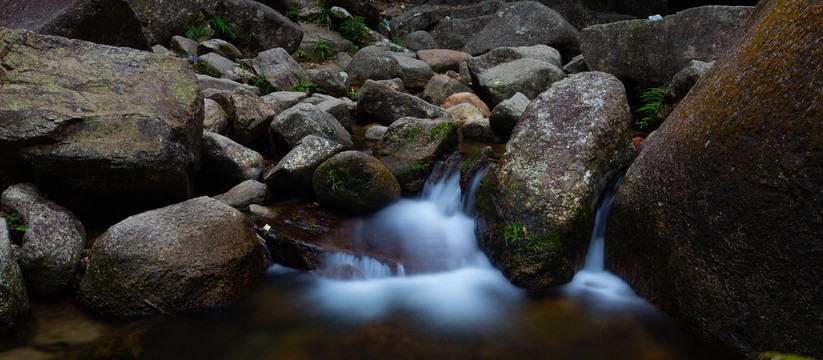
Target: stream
(462, 308)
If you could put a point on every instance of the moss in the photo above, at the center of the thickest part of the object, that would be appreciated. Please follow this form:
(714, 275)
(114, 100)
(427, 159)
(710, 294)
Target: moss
(447, 129)
(778, 356)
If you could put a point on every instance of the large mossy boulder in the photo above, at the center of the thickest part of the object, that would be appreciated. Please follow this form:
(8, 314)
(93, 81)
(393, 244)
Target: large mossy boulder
(718, 221)
(53, 241)
(653, 51)
(107, 131)
(14, 300)
(196, 254)
(536, 207)
(354, 182)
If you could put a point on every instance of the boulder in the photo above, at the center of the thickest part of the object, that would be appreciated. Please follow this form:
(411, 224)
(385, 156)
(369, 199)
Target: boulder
(464, 113)
(419, 40)
(244, 194)
(336, 83)
(454, 34)
(223, 67)
(576, 65)
(165, 19)
(214, 118)
(541, 52)
(583, 13)
(506, 114)
(14, 303)
(279, 68)
(339, 109)
(479, 130)
(410, 147)
(479, 161)
(209, 82)
(680, 85)
(282, 100)
(440, 87)
(416, 18)
(229, 159)
(653, 51)
(528, 76)
(250, 117)
(467, 98)
(536, 206)
(303, 119)
(373, 63)
(375, 133)
(525, 23)
(487, 7)
(292, 176)
(368, 9)
(718, 220)
(316, 36)
(220, 47)
(196, 254)
(502, 55)
(53, 241)
(381, 103)
(355, 182)
(442, 60)
(99, 21)
(257, 26)
(108, 131)
(184, 46)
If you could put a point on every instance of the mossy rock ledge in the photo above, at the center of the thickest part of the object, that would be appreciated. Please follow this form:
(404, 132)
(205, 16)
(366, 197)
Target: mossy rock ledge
(536, 206)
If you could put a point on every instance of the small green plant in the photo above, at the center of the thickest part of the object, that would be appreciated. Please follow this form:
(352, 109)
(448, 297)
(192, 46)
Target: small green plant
(308, 87)
(210, 27)
(418, 167)
(325, 12)
(323, 49)
(355, 30)
(222, 27)
(778, 356)
(201, 67)
(353, 95)
(398, 42)
(652, 101)
(292, 13)
(334, 181)
(15, 224)
(299, 55)
(261, 83)
(446, 128)
(194, 32)
(353, 50)
(395, 48)
(513, 232)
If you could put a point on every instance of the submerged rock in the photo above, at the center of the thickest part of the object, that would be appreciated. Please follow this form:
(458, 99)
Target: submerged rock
(196, 254)
(536, 207)
(355, 182)
(718, 221)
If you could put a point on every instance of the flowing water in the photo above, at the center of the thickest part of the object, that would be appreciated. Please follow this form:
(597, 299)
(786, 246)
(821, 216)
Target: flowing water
(457, 306)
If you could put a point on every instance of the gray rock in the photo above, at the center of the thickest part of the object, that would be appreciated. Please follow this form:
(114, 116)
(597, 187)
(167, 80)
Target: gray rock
(576, 65)
(653, 51)
(250, 117)
(184, 46)
(380, 103)
(541, 52)
(53, 242)
(334, 82)
(480, 160)
(119, 134)
(417, 18)
(680, 85)
(355, 182)
(196, 254)
(525, 23)
(214, 118)
(230, 159)
(161, 50)
(506, 114)
(220, 47)
(454, 34)
(479, 130)
(395, 84)
(314, 35)
(488, 7)
(368, 9)
(339, 109)
(375, 133)
(292, 176)
(419, 40)
(244, 194)
(342, 60)
(227, 69)
(221, 97)
(282, 100)
(583, 13)
(528, 76)
(279, 68)
(303, 119)
(718, 220)
(547, 183)
(14, 303)
(464, 113)
(410, 147)
(259, 26)
(99, 21)
(209, 82)
(164, 19)
(373, 63)
(442, 60)
(416, 73)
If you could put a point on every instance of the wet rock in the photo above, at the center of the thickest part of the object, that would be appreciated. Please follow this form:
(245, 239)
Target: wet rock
(467, 98)
(653, 51)
(380, 103)
(111, 130)
(442, 60)
(419, 40)
(417, 18)
(250, 117)
(479, 130)
(479, 160)
(319, 44)
(373, 63)
(525, 23)
(292, 176)
(279, 68)
(14, 303)
(220, 47)
(375, 133)
(506, 114)
(528, 76)
(184, 46)
(244, 194)
(576, 65)
(99, 21)
(355, 182)
(717, 222)
(214, 119)
(196, 254)
(410, 147)
(259, 26)
(536, 206)
(53, 241)
(229, 159)
(303, 119)
(440, 87)
(165, 19)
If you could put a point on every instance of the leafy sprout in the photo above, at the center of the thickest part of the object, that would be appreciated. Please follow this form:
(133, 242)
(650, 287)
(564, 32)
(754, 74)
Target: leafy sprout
(652, 101)
(334, 181)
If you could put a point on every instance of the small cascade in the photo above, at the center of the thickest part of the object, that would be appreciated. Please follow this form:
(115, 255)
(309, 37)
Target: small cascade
(368, 266)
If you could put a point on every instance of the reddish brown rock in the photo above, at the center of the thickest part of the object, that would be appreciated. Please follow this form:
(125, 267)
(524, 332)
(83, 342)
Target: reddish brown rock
(468, 98)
